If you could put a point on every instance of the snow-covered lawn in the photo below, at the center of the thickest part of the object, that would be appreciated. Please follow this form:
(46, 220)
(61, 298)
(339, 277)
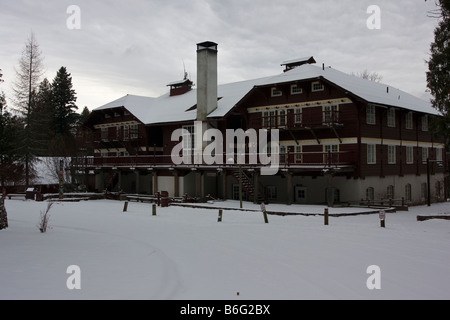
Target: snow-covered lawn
(184, 253)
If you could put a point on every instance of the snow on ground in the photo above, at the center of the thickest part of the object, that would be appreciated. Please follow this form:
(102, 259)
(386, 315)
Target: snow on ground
(184, 253)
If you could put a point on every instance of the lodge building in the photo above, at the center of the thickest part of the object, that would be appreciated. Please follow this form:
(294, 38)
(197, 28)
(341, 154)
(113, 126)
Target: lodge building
(341, 138)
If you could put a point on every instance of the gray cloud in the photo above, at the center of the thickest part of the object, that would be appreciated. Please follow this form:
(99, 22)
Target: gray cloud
(139, 46)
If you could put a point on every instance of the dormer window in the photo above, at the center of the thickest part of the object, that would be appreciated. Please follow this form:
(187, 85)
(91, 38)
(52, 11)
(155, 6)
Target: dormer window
(296, 89)
(317, 86)
(276, 92)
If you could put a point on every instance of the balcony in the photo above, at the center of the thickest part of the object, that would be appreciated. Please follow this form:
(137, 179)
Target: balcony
(296, 120)
(290, 160)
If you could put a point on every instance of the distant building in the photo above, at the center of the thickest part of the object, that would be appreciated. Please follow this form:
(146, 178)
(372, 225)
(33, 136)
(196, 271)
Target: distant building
(341, 138)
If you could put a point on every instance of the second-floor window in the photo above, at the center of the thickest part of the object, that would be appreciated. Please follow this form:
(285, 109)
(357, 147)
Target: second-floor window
(425, 123)
(391, 117)
(409, 155)
(371, 154)
(370, 114)
(424, 154)
(409, 120)
(104, 133)
(330, 114)
(391, 154)
(295, 89)
(134, 131)
(298, 115)
(282, 118)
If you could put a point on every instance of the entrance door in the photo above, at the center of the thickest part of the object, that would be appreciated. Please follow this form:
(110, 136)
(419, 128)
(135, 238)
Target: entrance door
(300, 194)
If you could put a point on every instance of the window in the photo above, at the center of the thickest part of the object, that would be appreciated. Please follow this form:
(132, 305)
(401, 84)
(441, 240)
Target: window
(126, 133)
(371, 154)
(409, 120)
(370, 194)
(283, 156)
(295, 89)
(424, 154)
(409, 155)
(408, 192)
(423, 191)
(298, 154)
(276, 92)
(425, 123)
(391, 117)
(331, 153)
(107, 116)
(134, 133)
(439, 154)
(337, 196)
(370, 114)
(317, 86)
(236, 192)
(269, 118)
(271, 192)
(438, 187)
(391, 155)
(116, 114)
(282, 118)
(104, 134)
(298, 115)
(118, 133)
(390, 192)
(189, 141)
(330, 114)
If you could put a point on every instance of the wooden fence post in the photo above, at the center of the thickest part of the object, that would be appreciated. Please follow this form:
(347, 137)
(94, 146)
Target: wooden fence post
(219, 219)
(125, 206)
(325, 215)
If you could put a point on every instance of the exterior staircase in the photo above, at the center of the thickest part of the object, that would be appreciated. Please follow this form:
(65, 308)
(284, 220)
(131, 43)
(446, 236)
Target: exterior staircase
(248, 186)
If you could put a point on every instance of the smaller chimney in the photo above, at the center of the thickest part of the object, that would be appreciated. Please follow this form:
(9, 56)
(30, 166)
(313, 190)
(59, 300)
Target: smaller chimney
(180, 87)
(206, 79)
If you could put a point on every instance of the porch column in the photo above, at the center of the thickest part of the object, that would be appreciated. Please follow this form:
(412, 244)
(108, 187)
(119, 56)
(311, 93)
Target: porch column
(224, 184)
(289, 187)
(137, 181)
(255, 186)
(119, 187)
(155, 182)
(198, 184)
(176, 183)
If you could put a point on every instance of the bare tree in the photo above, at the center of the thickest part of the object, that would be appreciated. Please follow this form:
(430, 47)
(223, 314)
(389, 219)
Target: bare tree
(28, 74)
(372, 76)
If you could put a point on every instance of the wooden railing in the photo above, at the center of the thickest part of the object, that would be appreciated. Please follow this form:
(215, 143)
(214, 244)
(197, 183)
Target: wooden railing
(288, 159)
(295, 120)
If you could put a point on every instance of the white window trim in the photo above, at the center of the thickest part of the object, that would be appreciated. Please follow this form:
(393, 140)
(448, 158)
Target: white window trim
(409, 156)
(275, 92)
(294, 87)
(374, 154)
(409, 121)
(322, 87)
(391, 118)
(370, 114)
(392, 157)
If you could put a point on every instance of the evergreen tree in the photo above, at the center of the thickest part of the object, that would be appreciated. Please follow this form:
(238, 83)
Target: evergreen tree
(64, 115)
(41, 118)
(10, 170)
(438, 76)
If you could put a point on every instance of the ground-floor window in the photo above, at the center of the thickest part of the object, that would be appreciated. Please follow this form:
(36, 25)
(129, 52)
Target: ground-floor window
(423, 191)
(236, 192)
(408, 192)
(390, 192)
(370, 193)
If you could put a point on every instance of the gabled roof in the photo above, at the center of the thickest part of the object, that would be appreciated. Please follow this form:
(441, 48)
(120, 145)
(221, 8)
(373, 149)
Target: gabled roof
(367, 90)
(166, 108)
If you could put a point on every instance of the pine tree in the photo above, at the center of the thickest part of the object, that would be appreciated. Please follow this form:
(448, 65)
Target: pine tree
(438, 76)
(64, 116)
(29, 72)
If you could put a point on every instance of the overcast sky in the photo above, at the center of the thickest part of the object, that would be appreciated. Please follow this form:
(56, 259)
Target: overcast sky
(139, 46)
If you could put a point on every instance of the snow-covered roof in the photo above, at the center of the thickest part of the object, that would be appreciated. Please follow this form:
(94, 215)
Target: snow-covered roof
(369, 91)
(166, 108)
